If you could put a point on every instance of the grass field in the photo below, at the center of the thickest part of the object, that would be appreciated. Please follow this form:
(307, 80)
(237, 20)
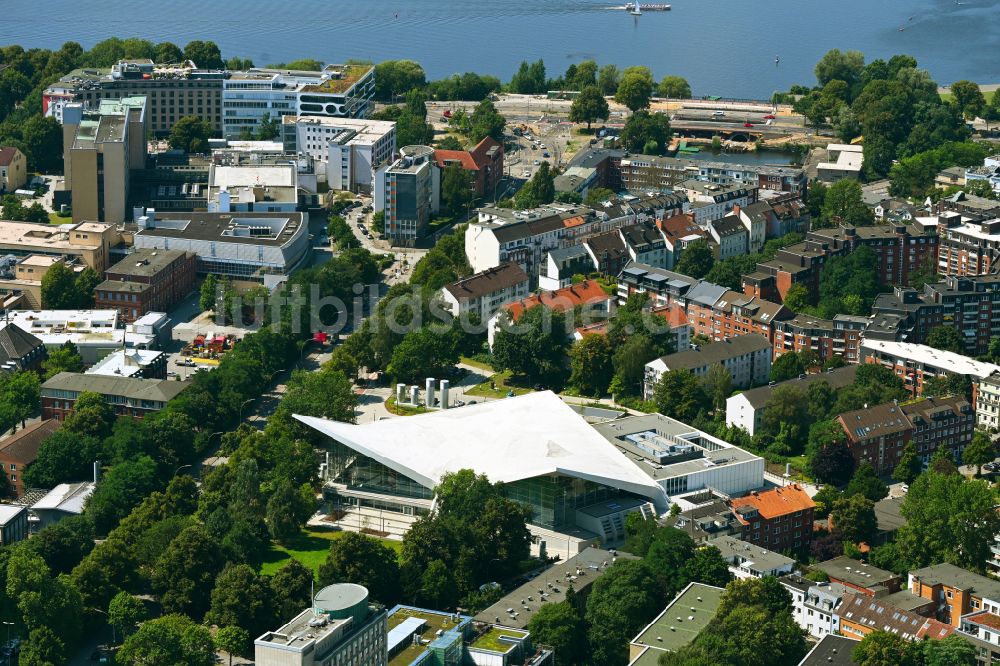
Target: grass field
(988, 94)
(503, 387)
(309, 548)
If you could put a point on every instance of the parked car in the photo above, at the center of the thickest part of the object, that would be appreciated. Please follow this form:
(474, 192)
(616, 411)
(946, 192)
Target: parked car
(718, 114)
(747, 124)
(545, 154)
(526, 174)
(769, 116)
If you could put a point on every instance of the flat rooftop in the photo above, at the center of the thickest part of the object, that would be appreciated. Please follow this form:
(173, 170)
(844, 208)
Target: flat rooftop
(936, 359)
(45, 237)
(517, 607)
(854, 572)
(125, 363)
(145, 263)
(756, 558)
(274, 229)
(433, 621)
(302, 631)
(663, 447)
(682, 619)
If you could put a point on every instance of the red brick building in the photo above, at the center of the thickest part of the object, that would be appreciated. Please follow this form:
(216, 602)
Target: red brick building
(485, 162)
(840, 336)
(779, 519)
(20, 449)
(147, 281)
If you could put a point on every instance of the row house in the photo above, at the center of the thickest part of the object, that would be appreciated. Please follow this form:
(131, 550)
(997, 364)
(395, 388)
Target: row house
(482, 294)
(679, 232)
(988, 402)
(915, 364)
(860, 615)
(711, 201)
(779, 215)
(814, 605)
(827, 338)
(731, 238)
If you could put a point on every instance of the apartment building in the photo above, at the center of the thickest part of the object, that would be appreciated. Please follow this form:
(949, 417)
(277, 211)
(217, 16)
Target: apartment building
(408, 191)
(173, 91)
(147, 280)
(345, 91)
(731, 238)
(13, 169)
(679, 231)
(861, 615)
(780, 519)
(877, 435)
(562, 264)
(127, 396)
(101, 150)
(484, 293)
(946, 421)
(712, 201)
(20, 449)
(642, 173)
(746, 409)
(988, 402)
(970, 304)
(860, 577)
(957, 591)
(970, 242)
(484, 162)
(915, 364)
(814, 605)
(348, 151)
(827, 338)
(587, 298)
(746, 357)
(779, 215)
(899, 249)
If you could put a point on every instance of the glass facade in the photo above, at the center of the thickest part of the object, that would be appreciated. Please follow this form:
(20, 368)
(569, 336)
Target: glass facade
(359, 472)
(555, 499)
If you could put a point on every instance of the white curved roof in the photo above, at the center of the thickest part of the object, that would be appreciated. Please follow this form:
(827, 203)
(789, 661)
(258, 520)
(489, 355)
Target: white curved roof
(507, 440)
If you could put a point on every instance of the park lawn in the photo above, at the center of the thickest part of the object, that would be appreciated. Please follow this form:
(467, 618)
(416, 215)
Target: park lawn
(987, 94)
(309, 548)
(503, 386)
(54, 218)
(477, 364)
(403, 410)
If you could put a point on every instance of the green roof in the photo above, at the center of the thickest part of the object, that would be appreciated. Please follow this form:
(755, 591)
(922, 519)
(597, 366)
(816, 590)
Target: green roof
(682, 620)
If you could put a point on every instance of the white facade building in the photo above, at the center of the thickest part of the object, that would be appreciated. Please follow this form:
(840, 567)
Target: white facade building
(348, 151)
(746, 357)
(338, 90)
(483, 294)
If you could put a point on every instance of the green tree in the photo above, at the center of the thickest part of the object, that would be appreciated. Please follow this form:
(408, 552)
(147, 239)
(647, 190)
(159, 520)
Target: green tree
(59, 287)
(950, 651)
(608, 79)
(171, 640)
(591, 365)
(561, 627)
(291, 588)
(674, 87)
(232, 641)
(909, 466)
(843, 204)
(968, 98)
(829, 458)
(882, 648)
(486, 121)
(787, 366)
(358, 558)
(629, 363)
(837, 65)
(43, 648)
(268, 128)
(184, 571)
(167, 53)
(786, 413)
(534, 347)
(125, 612)
(539, 190)
(979, 451)
(529, 78)
(619, 605)
(190, 134)
(707, 566)
(287, 511)
(589, 106)
(241, 598)
(644, 130)
(457, 189)
(948, 519)
(696, 260)
(205, 54)
(635, 88)
(64, 359)
(42, 143)
(396, 77)
(680, 395)
(866, 482)
(20, 392)
(854, 518)
(718, 385)
(797, 298)
(946, 338)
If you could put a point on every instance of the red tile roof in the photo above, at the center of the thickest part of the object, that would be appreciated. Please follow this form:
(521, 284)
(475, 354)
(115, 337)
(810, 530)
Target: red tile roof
(777, 502)
(673, 314)
(562, 300)
(679, 226)
(7, 155)
(471, 160)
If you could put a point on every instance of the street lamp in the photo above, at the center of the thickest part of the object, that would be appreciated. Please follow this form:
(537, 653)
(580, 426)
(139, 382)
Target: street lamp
(178, 470)
(245, 403)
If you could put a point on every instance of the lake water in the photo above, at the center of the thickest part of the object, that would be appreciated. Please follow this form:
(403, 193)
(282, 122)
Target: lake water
(723, 47)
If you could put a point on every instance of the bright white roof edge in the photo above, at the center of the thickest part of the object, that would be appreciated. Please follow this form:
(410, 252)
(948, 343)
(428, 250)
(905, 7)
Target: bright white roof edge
(507, 440)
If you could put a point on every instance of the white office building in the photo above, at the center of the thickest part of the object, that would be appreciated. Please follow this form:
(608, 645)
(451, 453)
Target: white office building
(346, 151)
(345, 91)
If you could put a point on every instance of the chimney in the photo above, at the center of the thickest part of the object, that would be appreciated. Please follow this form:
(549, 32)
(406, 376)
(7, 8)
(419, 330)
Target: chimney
(429, 392)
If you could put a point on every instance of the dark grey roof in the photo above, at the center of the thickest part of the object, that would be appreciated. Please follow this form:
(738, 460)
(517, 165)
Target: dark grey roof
(568, 253)
(15, 344)
(527, 228)
(145, 262)
(832, 651)
(836, 378)
(157, 390)
(489, 281)
(887, 514)
(854, 572)
(716, 352)
(949, 574)
(728, 226)
(210, 227)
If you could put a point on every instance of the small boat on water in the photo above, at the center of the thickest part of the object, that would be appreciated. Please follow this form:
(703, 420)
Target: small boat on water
(637, 8)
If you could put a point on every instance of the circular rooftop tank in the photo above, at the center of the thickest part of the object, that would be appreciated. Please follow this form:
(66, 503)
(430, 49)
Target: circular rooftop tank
(343, 600)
